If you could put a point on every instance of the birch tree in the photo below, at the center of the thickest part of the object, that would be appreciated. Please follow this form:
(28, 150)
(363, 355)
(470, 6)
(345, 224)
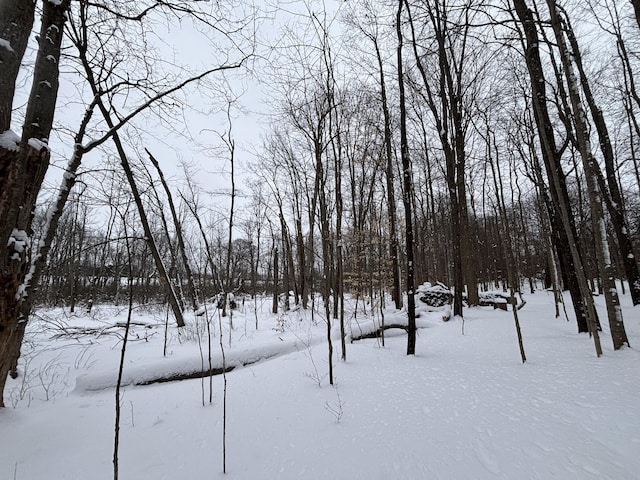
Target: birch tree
(591, 169)
(551, 158)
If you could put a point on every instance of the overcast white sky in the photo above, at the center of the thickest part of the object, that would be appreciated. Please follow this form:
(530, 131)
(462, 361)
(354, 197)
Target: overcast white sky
(193, 135)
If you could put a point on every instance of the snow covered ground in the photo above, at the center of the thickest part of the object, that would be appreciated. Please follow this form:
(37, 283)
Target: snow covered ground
(464, 407)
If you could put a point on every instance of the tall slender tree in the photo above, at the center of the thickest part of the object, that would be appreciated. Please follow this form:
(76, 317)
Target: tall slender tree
(551, 156)
(610, 190)
(406, 195)
(591, 169)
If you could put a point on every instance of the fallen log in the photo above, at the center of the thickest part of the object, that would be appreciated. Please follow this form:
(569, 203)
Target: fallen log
(378, 332)
(175, 377)
(187, 376)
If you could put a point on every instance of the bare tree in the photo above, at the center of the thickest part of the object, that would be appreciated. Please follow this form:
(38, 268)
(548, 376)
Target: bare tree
(550, 155)
(230, 144)
(372, 33)
(636, 10)
(506, 229)
(406, 196)
(22, 184)
(123, 351)
(445, 93)
(591, 169)
(179, 235)
(610, 190)
(23, 160)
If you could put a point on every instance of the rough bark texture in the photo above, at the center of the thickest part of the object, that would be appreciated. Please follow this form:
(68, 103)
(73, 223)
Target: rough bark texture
(406, 198)
(610, 190)
(562, 214)
(22, 169)
(606, 267)
(16, 19)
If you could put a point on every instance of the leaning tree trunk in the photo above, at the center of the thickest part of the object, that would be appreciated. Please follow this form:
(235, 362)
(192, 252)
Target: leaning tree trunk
(164, 277)
(613, 200)
(126, 166)
(506, 233)
(550, 155)
(180, 237)
(23, 162)
(605, 265)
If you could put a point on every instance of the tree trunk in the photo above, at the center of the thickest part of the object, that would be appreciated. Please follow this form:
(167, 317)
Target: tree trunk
(24, 162)
(276, 260)
(227, 271)
(507, 235)
(612, 194)
(338, 310)
(162, 272)
(16, 21)
(445, 104)
(406, 198)
(552, 161)
(396, 292)
(605, 265)
(636, 10)
(179, 235)
(302, 269)
(286, 278)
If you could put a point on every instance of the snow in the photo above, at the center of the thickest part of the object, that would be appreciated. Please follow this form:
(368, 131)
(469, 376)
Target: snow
(463, 407)
(22, 288)
(4, 43)
(19, 241)
(37, 144)
(9, 140)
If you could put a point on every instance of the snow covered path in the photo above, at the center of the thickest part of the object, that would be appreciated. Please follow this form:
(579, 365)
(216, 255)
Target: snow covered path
(463, 408)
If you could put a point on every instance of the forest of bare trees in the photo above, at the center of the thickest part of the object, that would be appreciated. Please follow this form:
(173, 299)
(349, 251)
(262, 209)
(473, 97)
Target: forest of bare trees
(482, 145)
